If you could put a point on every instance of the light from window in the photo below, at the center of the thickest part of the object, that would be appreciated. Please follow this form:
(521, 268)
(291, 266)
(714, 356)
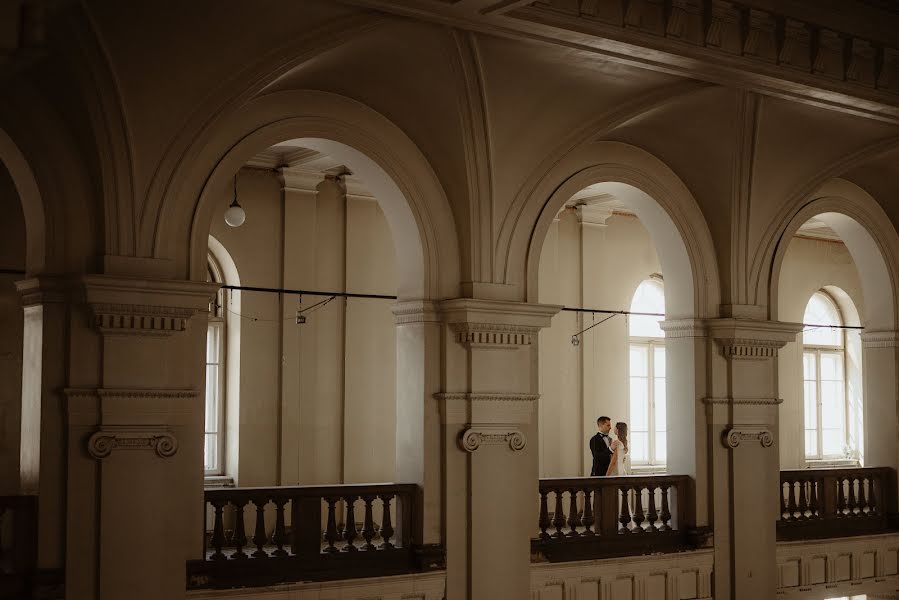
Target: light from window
(214, 375)
(648, 423)
(824, 381)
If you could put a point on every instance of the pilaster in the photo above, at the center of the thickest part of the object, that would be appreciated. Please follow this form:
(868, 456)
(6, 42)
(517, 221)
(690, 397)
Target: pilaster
(134, 435)
(880, 374)
(488, 407)
(742, 413)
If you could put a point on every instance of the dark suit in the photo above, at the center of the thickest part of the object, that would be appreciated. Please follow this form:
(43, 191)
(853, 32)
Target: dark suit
(602, 455)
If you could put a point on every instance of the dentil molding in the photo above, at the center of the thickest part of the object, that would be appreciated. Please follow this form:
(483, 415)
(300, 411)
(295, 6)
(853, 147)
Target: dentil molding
(748, 433)
(132, 437)
(880, 339)
(495, 335)
(136, 319)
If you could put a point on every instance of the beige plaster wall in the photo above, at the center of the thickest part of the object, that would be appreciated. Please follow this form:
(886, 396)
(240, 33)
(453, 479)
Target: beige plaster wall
(600, 267)
(809, 265)
(317, 400)
(12, 257)
(594, 267)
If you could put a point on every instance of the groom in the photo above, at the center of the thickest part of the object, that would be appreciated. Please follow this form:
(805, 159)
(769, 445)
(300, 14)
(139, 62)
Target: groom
(601, 447)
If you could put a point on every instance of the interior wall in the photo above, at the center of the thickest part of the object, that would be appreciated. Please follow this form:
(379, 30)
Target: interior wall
(592, 266)
(810, 265)
(317, 400)
(12, 258)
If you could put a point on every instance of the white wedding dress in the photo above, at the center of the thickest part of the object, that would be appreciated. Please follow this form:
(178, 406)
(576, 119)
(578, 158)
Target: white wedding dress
(623, 460)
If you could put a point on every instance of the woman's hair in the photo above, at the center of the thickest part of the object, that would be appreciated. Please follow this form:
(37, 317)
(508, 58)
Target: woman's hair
(621, 431)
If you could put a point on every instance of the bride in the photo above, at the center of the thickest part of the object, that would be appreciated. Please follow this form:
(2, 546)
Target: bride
(620, 464)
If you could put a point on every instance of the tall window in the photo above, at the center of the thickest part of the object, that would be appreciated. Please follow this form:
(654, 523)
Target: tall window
(824, 380)
(648, 428)
(215, 378)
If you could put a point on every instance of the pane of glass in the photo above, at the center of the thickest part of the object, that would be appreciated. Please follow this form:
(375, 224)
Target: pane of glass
(821, 310)
(832, 406)
(661, 422)
(639, 361)
(639, 404)
(661, 447)
(808, 366)
(811, 405)
(639, 446)
(811, 443)
(832, 440)
(649, 298)
(210, 453)
(212, 397)
(658, 361)
(212, 344)
(831, 366)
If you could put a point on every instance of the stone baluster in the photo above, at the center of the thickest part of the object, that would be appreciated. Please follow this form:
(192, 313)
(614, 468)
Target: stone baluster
(239, 538)
(331, 534)
(653, 515)
(587, 519)
(573, 520)
(259, 537)
(279, 535)
(386, 524)
(665, 515)
(545, 521)
(639, 516)
(559, 515)
(368, 526)
(624, 515)
(349, 529)
(218, 530)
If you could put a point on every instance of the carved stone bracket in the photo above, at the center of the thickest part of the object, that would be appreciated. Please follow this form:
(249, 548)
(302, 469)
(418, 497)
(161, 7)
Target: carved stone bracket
(748, 433)
(474, 437)
(132, 437)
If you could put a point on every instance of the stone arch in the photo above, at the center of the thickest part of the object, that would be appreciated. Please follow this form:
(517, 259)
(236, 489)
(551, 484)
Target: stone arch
(870, 238)
(661, 201)
(687, 256)
(32, 203)
(873, 243)
(395, 170)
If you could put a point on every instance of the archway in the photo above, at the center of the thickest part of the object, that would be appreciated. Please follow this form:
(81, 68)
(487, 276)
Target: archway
(667, 210)
(860, 223)
(413, 204)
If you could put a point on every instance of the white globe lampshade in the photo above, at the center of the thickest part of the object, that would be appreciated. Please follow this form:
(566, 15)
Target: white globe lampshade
(235, 215)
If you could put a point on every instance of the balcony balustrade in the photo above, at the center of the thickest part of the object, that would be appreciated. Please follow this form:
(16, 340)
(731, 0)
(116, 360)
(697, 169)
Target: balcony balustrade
(263, 536)
(828, 503)
(600, 517)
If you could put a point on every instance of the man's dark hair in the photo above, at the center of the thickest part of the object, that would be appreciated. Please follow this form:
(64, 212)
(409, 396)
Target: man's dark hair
(603, 420)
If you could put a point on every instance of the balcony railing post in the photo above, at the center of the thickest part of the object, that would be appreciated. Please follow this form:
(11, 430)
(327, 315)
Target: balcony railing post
(608, 521)
(305, 520)
(829, 496)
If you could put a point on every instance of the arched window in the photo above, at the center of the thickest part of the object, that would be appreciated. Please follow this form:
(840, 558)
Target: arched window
(214, 446)
(824, 380)
(648, 437)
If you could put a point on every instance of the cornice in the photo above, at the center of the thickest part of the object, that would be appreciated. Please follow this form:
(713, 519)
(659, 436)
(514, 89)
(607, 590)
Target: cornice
(43, 290)
(684, 328)
(416, 311)
(496, 335)
(880, 339)
(743, 401)
(752, 339)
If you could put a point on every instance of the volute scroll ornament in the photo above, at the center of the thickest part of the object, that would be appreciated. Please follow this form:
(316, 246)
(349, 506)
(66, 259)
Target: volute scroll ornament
(474, 437)
(748, 433)
(125, 437)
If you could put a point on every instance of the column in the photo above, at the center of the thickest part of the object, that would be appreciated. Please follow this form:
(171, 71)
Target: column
(134, 501)
(488, 408)
(45, 353)
(687, 348)
(880, 397)
(418, 431)
(743, 428)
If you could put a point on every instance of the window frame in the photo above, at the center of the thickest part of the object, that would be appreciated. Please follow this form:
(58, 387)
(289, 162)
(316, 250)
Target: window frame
(217, 320)
(650, 344)
(817, 350)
